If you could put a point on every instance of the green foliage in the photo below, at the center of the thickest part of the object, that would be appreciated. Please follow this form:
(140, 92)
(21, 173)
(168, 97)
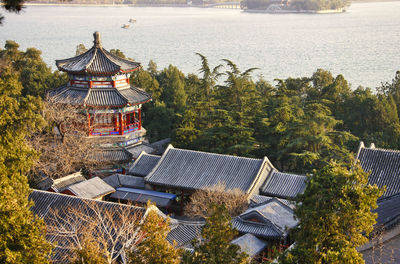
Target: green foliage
(89, 253)
(21, 234)
(11, 6)
(80, 49)
(215, 246)
(36, 77)
(118, 53)
(334, 216)
(154, 248)
(172, 81)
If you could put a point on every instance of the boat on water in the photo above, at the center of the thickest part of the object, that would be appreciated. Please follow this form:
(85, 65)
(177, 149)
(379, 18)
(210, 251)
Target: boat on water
(132, 20)
(125, 26)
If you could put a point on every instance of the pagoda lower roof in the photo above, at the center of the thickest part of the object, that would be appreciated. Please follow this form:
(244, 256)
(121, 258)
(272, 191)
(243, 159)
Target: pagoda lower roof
(99, 97)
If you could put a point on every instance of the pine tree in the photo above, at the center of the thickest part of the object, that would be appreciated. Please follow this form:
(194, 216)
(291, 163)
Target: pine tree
(215, 246)
(21, 234)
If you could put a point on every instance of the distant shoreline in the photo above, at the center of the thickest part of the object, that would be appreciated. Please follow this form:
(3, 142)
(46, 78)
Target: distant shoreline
(333, 11)
(197, 6)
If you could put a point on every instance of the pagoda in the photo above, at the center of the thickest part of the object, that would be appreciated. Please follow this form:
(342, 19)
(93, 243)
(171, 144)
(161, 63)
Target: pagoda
(99, 82)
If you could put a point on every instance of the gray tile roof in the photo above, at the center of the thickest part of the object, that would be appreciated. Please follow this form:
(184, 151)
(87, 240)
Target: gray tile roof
(257, 200)
(250, 244)
(92, 188)
(283, 185)
(143, 196)
(97, 61)
(270, 220)
(384, 166)
(122, 180)
(261, 230)
(99, 96)
(144, 164)
(46, 202)
(192, 170)
(388, 211)
(138, 149)
(184, 232)
(111, 155)
(61, 184)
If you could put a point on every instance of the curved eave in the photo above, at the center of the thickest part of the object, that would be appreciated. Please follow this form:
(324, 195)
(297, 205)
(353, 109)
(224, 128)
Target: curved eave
(88, 72)
(117, 106)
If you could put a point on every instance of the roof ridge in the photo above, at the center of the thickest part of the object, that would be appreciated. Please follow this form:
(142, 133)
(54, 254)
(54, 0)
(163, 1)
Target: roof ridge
(289, 173)
(88, 199)
(159, 162)
(119, 58)
(92, 59)
(75, 57)
(383, 149)
(105, 53)
(218, 154)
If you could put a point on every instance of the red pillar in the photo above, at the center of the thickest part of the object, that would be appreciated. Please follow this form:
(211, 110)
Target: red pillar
(140, 118)
(121, 125)
(90, 84)
(89, 123)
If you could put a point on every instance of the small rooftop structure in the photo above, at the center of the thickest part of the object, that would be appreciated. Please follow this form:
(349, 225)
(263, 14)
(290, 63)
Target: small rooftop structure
(94, 188)
(161, 199)
(184, 232)
(144, 164)
(135, 151)
(283, 185)
(270, 220)
(384, 165)
(191, 170)
(250, 244)
(257, 200)
(122, 180)
(60, 184)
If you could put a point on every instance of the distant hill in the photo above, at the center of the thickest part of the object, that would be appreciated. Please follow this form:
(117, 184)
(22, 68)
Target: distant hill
(299, 5)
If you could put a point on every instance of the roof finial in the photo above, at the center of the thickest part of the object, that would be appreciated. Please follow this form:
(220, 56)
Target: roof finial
(97, 40)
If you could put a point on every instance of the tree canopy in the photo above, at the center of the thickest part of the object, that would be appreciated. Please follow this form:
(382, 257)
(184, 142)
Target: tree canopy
(335, 216)
(21, 234)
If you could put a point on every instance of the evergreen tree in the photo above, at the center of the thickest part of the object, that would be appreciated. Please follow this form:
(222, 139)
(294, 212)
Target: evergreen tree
(21, 234)
(154, 248)
(172, 81)
(36, 77)
(215, 246)
(335, 216)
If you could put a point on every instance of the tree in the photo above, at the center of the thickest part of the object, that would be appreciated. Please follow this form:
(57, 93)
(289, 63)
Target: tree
(154, 248)
(11, 6)
(89, 253)
(335, 216)
(313, 139)
(235, 201)
(64, 144)
(36, 77)
(172, 81)
(80, 49)
(21, 234)
(215, 246)
(85, 228)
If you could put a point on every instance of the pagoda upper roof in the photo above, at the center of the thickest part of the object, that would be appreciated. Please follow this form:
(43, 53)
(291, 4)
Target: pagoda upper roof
(97, 61)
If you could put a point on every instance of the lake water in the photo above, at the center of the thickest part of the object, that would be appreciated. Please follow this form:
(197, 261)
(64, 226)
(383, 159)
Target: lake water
(363, 44)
